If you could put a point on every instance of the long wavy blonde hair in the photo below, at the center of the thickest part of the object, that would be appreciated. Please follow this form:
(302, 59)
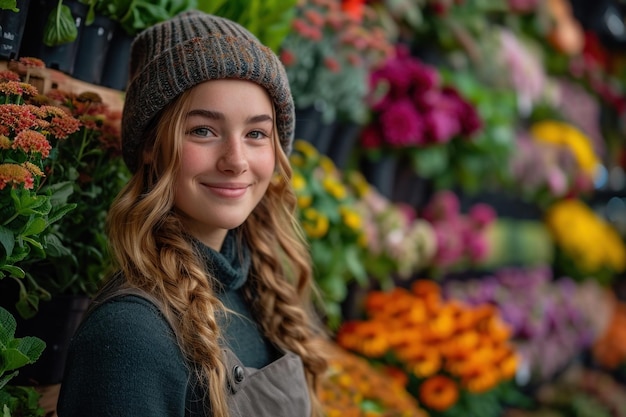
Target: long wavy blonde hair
(154, 255)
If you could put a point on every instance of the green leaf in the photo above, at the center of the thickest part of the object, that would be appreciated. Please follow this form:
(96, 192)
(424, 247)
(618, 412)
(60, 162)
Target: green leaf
(60, 27)
(7, 240)
(34, 226)
(9, 5)
(13, 359)
(7, 327)
(4, 379)
(13, 271)
(430, 161)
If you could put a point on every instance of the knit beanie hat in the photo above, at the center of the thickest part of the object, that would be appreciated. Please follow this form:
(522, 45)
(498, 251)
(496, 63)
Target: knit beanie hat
(173, 56)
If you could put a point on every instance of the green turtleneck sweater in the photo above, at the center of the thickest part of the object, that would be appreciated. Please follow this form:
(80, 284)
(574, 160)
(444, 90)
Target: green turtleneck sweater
(124, 360)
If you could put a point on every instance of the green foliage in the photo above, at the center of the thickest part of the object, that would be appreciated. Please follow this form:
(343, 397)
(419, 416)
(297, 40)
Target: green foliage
(269, 20)
(14, 354)
(483, 160)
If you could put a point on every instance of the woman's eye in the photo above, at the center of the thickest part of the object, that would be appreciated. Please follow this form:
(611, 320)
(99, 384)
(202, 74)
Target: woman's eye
(257, 134)
(200, 131)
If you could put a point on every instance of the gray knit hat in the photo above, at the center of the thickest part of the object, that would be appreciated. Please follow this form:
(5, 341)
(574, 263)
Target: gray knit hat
(193, 47)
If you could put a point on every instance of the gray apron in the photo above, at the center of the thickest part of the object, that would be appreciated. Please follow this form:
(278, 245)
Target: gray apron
(276, 390)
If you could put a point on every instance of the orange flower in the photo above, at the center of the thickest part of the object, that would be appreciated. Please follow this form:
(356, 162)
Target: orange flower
(479, 378)
(439, 393)
(422, 360)
(508, 365)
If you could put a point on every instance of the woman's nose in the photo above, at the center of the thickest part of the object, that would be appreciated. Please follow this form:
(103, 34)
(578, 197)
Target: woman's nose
(233, 158)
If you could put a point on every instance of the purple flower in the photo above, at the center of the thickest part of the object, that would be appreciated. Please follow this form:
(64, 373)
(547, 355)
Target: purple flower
(401, 124)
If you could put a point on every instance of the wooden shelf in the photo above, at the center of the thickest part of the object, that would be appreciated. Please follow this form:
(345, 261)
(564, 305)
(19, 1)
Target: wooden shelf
(45, 79)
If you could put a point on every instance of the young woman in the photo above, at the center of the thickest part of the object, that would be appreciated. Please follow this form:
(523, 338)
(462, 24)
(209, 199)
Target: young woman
(206, 313)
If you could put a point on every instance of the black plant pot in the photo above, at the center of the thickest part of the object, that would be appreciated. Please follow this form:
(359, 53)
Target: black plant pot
(115, 71)
(381, 173)
(92, 49)
(343, 143)
(61, 57)
(12, 30)
(308, 121)
(55, 323)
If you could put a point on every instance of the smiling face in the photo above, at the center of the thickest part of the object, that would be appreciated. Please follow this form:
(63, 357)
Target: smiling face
(228, 157)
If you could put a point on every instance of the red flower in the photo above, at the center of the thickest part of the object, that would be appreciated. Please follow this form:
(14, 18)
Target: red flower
(287, 57)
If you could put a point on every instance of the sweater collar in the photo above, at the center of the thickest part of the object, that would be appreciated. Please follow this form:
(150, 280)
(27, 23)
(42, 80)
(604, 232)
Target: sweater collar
(229, 266)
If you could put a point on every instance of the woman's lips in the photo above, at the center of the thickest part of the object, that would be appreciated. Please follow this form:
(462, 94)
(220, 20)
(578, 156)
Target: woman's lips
(228, 190)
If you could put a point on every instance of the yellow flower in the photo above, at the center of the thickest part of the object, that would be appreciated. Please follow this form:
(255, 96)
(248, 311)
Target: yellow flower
(304, 201)
(327, 165)
(315, 223)
(573, 225)
(350, 218)
(564, 134)
(305, 148)
(298, 182)
(359, 183)
(334, 188)
(296, 160)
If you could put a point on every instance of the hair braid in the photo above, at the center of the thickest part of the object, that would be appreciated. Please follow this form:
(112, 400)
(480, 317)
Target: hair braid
(281, 256)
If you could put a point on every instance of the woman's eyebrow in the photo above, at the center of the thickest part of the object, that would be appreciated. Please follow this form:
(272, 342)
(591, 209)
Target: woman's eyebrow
(259, 119)
(209, 114)
(215, 115)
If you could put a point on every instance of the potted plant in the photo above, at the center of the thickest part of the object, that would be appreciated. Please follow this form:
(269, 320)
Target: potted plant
(15, 353)
(12, 20)
(328, 56)
(31, 203)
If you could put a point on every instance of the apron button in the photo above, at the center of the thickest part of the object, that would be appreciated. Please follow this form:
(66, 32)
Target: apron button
(238, 373)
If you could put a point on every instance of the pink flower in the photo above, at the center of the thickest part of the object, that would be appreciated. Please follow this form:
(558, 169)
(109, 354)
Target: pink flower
(482, 214)
(30, 141)
(16, 118)
(401, 124)
(477, 248)
(444, 205)
(557, 182)
(440, 126)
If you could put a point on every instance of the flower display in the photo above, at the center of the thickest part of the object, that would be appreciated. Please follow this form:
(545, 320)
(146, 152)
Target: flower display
(329, 53)
(30, 201)
(551, 321)
(456, 357)
(398, 242)
(412, 108)
(90, 163)
(353, 387)
(573, 225)
(333, 227)
(461, 238)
